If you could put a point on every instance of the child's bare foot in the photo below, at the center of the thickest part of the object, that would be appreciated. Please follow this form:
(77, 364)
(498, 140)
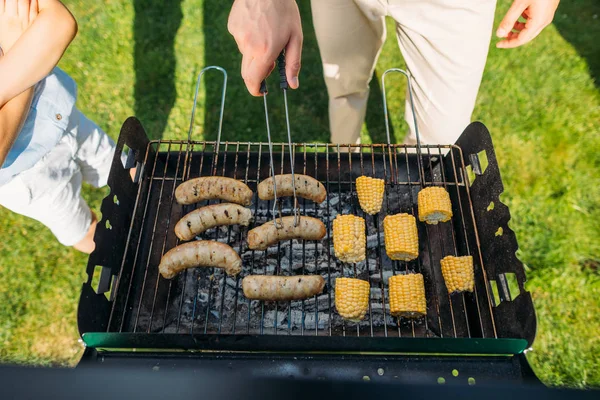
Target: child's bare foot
(132, 173)
(87, 244)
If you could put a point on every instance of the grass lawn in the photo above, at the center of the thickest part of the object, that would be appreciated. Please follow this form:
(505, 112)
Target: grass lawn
(541, 103)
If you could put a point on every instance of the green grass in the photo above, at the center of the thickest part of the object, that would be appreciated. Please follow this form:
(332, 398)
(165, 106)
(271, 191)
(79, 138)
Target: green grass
(541, 103)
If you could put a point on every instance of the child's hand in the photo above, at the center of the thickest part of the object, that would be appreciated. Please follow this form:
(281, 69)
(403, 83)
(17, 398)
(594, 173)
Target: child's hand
(15, 17)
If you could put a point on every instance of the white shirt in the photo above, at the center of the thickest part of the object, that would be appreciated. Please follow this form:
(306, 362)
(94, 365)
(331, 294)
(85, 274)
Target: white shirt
(48, 119)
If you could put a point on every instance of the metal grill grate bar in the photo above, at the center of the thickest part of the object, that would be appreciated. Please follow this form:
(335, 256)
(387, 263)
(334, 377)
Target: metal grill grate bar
(203, 301)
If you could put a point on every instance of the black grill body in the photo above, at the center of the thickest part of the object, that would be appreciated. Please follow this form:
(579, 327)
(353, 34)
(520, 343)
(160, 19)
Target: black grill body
(125, 304)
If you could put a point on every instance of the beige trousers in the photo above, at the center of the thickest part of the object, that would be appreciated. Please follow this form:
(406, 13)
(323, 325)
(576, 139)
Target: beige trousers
(444, 43)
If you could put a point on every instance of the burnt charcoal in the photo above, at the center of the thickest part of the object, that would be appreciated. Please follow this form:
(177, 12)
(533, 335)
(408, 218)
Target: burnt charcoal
(206, 300)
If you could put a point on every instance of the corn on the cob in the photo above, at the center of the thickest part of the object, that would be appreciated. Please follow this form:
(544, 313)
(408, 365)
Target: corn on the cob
(434, 205)
(349, 239)
(458, 273)
(352, 298)
(370, 193)
(401, 237)
(407, 296)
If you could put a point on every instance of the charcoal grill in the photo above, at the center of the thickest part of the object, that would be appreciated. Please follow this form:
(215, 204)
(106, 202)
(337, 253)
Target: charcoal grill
(129, 314)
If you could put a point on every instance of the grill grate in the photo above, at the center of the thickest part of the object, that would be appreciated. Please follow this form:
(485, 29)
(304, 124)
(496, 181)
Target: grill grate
(206, 301)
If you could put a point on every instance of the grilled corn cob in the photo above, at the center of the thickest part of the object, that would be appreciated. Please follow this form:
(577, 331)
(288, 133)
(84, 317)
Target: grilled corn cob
(349, 239)
(434, 205)
(352, 298)
(407, 296)
(401, 237)
(370, 193)
(458, 273)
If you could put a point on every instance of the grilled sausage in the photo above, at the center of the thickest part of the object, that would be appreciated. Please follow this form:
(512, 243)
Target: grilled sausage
(282, 288)
(306, 187)
(202, 219)
(213, 187)
(202, 253)
(267, 234)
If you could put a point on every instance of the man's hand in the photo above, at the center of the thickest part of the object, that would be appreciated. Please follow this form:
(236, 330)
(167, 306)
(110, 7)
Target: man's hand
(538, 14)
(15, 17)
(261, 29)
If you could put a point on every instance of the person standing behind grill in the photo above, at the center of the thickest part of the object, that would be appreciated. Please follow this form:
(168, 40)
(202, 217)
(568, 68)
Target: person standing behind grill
(47, 146)
(444, 42)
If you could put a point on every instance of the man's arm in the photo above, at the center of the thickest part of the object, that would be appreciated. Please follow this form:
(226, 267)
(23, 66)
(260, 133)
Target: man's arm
(261, 29)
(12, 117)
(38, 50)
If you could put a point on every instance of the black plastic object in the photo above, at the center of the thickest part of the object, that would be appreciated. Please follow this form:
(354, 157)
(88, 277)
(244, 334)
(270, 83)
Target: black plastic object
(283, 83)
(263, 87)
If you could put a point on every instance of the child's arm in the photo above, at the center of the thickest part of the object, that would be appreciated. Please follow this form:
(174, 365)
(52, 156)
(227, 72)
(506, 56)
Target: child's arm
(15, 18)
(12, 117)
(37, 50)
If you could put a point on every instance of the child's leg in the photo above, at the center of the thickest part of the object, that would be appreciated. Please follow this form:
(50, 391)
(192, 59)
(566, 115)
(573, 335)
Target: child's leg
(50, 192)
(87, 244)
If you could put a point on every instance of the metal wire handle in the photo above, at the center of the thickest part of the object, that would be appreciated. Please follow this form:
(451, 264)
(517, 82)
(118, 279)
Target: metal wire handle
(192, 119)
(387, 121)
(276, 206)
(283, 84)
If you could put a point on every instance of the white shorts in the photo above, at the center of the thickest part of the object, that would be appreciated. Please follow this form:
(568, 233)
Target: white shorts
(50, 191)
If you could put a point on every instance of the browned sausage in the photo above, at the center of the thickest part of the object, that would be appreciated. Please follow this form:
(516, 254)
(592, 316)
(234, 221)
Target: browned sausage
(202, 253)
(267, 234)
(282, 288)
(306, 187)
(202, 219)
(213, 187)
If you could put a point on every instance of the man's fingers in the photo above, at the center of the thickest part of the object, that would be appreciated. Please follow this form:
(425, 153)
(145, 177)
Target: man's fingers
(2, 6)
(519, 26)
(237, 42)
(519, 39)
(271, 70)
(10, 7)
(293, 55)
(245, 63)
(256, 72)
(511, 17)
(23, 8)
(33, 10)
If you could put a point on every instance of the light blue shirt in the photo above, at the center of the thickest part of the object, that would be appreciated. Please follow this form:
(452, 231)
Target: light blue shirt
(48, 119)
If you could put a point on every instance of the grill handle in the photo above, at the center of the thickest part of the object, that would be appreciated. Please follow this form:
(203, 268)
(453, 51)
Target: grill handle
(387, 122)
(276, 205)
(193, 117)
(283, 83)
